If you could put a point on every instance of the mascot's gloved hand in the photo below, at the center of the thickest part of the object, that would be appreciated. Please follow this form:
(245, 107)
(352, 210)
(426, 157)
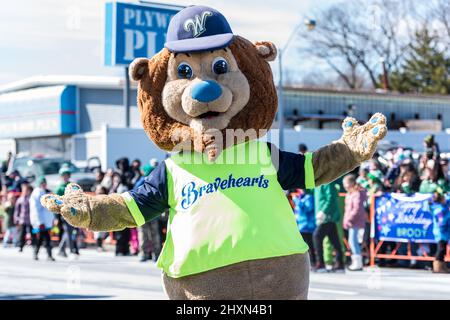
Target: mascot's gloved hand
(97, 213)
(362, 140)
(357, 144)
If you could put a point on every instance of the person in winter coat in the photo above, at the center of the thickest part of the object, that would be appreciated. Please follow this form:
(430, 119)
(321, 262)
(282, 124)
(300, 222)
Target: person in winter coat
(41, 220)
(22, 214)
(327, 215)
(303, 205)
(441, 230)
(124, 169)
(354, 218)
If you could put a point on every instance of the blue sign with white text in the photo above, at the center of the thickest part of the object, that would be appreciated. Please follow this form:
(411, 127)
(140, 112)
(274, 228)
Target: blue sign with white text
(133, 31)
(403, 218)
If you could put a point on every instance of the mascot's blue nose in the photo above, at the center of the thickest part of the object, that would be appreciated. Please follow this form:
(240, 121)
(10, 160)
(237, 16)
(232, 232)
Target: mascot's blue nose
(206, 91)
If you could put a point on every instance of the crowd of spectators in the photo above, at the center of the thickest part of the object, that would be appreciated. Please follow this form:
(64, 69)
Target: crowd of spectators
(397, 170)
(318, 214)
(25, 220)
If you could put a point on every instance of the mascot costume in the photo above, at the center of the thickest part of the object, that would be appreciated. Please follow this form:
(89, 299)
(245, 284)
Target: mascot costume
(207, 97)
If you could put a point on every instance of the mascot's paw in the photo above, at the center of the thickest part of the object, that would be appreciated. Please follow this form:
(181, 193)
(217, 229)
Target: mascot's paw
(73, 206)
(362, 139)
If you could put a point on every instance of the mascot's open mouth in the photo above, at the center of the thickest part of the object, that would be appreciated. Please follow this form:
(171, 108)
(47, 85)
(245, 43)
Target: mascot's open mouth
(209, 115)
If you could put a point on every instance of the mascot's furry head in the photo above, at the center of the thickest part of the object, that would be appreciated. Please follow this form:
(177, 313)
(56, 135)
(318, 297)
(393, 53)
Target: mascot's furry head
(205, 81)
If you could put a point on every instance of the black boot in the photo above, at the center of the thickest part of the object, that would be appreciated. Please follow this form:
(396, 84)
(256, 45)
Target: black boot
(145, 257)
(49, 255)
(339, 267)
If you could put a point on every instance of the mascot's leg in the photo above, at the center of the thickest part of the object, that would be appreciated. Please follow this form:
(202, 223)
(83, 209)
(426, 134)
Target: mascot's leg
(284, 278)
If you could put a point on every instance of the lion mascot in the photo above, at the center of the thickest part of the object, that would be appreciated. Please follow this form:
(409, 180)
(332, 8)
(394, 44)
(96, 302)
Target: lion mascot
(208, 97)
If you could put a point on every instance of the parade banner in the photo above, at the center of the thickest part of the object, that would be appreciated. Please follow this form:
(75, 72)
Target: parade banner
(403, 218)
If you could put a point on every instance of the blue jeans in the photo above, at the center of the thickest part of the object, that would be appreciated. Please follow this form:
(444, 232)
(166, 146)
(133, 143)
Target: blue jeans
(353, 240)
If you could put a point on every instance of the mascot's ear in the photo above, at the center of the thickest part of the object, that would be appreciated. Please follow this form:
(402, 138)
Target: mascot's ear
(138, 68)
(266, 50)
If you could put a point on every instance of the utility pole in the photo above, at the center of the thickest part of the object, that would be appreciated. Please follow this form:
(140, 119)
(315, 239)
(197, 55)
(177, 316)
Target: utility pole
(385, 75)
(126, 98)
(280, 100)
(310, 24)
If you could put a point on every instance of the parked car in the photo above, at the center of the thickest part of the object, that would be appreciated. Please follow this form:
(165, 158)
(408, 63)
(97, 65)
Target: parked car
(33, 167)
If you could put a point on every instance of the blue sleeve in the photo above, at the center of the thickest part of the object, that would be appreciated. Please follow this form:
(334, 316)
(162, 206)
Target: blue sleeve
(290, 168)
(150, 199)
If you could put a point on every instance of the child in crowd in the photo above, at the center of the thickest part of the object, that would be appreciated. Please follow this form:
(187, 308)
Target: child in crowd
(10, 227)
(355, 218)
(441, 230)
(303, 205)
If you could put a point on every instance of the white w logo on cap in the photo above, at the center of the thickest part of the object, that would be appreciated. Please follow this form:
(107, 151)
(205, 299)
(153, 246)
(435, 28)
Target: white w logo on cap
(197, 24)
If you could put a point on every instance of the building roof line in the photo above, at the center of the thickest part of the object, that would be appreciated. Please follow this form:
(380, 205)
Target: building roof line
(115, 82)
(376, 93)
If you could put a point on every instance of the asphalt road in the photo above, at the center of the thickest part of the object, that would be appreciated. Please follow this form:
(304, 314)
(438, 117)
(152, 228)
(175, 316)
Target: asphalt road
(103, 276)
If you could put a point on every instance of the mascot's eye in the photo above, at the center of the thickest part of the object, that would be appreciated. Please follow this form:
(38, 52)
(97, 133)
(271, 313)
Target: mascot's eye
(184, 71)
(220, 66)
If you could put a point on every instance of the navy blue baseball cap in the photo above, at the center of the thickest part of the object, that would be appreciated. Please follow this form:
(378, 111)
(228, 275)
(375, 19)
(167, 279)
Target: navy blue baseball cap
(198, 28)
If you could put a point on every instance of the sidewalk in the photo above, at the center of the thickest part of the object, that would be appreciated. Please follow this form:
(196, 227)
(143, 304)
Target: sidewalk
(104, 276)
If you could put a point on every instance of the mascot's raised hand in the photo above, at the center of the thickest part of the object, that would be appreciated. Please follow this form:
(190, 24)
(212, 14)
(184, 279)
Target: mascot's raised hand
(357, 144)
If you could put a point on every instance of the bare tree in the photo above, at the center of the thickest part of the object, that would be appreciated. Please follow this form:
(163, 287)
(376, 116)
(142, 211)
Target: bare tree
(332, 42)
(353, 36)
(439, 11)
(319, 79)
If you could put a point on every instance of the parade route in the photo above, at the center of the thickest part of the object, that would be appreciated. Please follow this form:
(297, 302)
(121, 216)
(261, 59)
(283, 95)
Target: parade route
(103, 276)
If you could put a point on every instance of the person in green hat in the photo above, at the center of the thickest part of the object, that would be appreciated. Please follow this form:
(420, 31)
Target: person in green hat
(65, 174)
(375, 181)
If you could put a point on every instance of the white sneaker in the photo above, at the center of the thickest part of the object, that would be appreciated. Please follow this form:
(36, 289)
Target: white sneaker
(73, 256)
(357, 264)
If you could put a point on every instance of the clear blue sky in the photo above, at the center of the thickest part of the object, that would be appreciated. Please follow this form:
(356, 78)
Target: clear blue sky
(40, 37)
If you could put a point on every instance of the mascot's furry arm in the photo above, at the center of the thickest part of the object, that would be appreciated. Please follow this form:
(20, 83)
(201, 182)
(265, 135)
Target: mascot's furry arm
(97, 213)
(111, 212)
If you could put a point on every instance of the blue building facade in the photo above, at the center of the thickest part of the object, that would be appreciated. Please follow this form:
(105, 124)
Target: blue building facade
(362, 105)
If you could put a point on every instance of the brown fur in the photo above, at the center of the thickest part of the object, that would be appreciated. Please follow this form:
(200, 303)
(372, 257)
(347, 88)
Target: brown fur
(267, 50)
(166, 132)
(277, 278)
